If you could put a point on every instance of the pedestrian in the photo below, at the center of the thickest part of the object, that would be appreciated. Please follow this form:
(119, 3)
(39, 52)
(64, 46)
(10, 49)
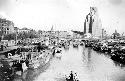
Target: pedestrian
(71, 76)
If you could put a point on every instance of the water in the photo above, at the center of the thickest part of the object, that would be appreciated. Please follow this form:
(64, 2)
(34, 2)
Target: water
(86, 63)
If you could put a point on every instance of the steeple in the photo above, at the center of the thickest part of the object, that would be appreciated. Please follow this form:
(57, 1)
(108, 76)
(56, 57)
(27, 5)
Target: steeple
(51, 28)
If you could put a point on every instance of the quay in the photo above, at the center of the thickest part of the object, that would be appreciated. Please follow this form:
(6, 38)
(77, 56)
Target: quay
(18, 60)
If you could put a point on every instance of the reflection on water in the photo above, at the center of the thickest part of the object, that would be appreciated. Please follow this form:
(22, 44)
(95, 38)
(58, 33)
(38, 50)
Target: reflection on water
(88, 64)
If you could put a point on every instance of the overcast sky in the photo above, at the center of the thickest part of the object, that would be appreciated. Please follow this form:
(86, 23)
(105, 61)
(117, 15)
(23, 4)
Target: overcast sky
(63, 14)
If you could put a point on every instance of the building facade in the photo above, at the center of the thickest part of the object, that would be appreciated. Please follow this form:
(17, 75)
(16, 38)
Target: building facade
(6, 27)
(92, 24)
(26, 30)
(60, 34)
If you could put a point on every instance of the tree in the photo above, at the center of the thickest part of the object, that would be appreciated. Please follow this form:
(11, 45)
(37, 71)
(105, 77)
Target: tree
(25, 35)
(22, 35)
(10, 36)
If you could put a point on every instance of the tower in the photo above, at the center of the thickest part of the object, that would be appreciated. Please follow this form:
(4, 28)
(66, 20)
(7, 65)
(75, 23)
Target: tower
(92, 23)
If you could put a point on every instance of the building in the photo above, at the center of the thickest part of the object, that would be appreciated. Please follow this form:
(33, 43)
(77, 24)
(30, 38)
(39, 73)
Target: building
(16, 29)
(60, 34)
(26, 30)
(92, 23)
(6, 27)
(77, 34)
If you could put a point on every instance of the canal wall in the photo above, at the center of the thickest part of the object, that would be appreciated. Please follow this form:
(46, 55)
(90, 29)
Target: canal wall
(31, 73)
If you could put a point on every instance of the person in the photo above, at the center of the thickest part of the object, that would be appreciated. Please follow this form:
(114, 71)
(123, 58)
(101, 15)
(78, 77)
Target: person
(1, 47)
(71, 76)
(39, 47)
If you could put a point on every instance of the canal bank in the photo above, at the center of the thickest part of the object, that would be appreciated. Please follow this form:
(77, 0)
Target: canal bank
(88, 65)
(31, 73)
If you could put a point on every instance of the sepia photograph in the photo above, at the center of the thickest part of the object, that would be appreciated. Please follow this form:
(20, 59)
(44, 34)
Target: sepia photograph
(62, 40)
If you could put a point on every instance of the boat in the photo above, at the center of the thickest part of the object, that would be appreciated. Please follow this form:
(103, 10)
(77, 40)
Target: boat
(24, 67)
(47, 59)
(58, 55)
(39, 58)
(71, 77)
(81, 43)
(75, 45)
(36, 64)
(66, 46)
(58, 50)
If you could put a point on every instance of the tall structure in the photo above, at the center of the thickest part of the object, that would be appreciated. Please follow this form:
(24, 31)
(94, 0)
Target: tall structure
(104, 33)
(115, 35)
(92, 23)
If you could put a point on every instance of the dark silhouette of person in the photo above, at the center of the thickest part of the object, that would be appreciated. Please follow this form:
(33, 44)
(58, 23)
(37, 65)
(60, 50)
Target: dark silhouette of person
(39, 47)
(71, 76)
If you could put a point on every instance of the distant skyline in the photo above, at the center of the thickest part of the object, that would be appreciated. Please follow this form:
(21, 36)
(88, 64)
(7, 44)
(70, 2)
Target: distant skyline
(63, 14)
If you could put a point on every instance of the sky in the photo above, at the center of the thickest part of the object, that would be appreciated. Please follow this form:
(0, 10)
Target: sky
(63, 14)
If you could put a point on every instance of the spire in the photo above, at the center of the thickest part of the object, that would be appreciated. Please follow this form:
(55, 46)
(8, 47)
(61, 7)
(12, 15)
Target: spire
(115, 31)
(52, 28)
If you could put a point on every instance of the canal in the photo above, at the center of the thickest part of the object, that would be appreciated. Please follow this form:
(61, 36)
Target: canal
(86, 63)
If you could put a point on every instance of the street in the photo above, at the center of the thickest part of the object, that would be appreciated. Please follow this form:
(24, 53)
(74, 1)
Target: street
(86, 63)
